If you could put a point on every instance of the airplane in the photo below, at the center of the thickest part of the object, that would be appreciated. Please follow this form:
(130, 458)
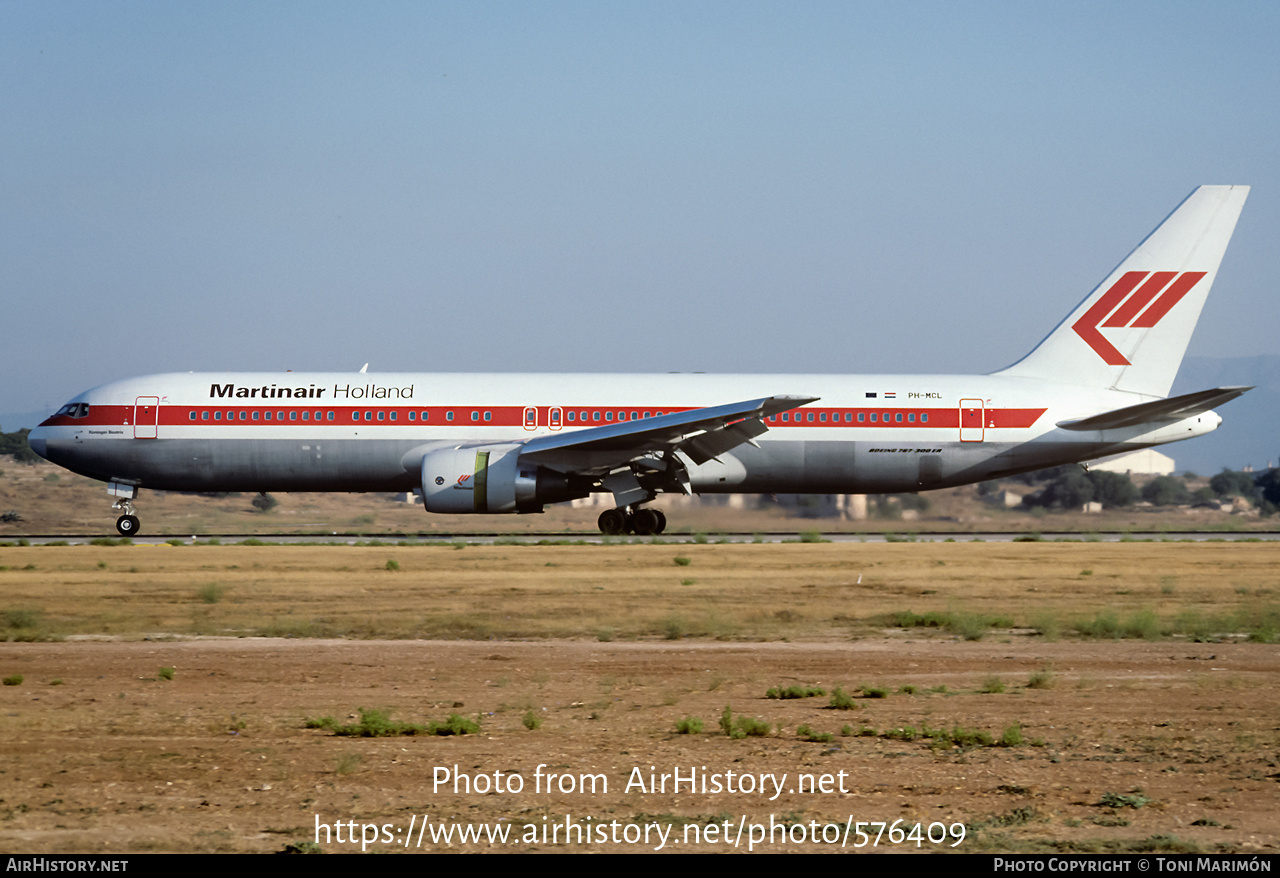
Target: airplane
(1096, 385)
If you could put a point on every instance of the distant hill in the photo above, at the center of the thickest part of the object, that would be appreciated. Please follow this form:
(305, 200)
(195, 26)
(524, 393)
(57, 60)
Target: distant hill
(27, 420)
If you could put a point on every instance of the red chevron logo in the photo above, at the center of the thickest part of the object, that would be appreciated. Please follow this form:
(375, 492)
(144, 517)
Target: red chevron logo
(1123, 306)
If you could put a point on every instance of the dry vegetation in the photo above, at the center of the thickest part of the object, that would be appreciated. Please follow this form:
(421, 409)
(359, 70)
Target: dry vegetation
(161, 707)
(54, 501)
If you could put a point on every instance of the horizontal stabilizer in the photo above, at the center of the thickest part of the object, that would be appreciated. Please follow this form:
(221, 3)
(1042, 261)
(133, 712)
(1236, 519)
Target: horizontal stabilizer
(1162, 411)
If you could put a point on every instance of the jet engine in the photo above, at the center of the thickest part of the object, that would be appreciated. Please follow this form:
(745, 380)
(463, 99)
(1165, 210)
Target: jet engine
(490, 479)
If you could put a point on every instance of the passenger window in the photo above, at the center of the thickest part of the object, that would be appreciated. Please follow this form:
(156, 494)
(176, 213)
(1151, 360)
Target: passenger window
(191, 416)
(217, 416)
(279, 416)
(488, 416)
(330, 415)
(785, 417)
(393, 416)
(448, 416)
(293, 416)
(413, 416)
(823, 417)
(355, 416)
(244, 416)
(595, 416)
(368, 416)
(306, 416)
(898, 417)
(424, 415)
(204, 416)
(475, 416)
(911, 417)
(873, 417)
(810, 417)
(924, 418)
(382, 416)
(573, 416)
(862, 417)
(255, 416)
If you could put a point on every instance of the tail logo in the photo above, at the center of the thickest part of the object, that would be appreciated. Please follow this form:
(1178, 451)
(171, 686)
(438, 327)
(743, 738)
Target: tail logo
(1129, 304)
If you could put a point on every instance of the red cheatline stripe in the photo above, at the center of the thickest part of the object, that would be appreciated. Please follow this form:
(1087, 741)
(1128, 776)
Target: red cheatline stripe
(1139, 300)
(513, 417)
(1171, 297)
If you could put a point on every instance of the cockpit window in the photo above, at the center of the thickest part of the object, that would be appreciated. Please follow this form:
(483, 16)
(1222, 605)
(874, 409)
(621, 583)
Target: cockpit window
(73, 410)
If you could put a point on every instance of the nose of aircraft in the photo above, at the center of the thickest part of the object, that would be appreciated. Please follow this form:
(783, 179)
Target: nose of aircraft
(36, 439)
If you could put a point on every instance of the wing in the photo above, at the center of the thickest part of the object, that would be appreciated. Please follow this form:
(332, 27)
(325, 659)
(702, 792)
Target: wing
(634, 460)
(701, 434)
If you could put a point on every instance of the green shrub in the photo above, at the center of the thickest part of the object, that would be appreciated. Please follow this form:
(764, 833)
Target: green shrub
(1042, 679)
(796, 691)
(531, 721)
(166, 673)
(1116, 800)
(809, 734)
(841, 700)
(689, 726)
(454, 725)
(742, 726)
(13, 680)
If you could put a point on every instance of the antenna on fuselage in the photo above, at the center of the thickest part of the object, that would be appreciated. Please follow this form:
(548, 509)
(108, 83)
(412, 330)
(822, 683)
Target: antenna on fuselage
(364, 368)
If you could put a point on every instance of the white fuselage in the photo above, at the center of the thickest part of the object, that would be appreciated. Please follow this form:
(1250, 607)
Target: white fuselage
(369, 432)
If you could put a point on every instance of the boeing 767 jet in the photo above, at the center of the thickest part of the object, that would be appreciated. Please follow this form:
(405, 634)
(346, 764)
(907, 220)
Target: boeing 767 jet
(1097, 385)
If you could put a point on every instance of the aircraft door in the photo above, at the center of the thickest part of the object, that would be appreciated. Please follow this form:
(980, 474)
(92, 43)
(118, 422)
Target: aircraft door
(972, 415)
(556, 420)
(146, 417)
(531, 418)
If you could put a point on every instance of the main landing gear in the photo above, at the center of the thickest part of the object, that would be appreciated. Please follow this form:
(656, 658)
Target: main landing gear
(640, 521)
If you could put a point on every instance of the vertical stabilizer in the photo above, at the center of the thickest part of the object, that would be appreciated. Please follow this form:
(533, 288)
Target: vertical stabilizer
(1132, 331)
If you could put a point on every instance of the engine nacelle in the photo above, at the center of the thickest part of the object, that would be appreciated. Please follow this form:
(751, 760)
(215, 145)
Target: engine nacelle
(489, 479)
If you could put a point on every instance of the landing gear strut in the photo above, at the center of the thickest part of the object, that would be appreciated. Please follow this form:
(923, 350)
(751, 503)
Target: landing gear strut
(639, 521)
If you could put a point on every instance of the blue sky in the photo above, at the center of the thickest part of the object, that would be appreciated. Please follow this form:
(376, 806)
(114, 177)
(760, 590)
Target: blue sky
(608, 186)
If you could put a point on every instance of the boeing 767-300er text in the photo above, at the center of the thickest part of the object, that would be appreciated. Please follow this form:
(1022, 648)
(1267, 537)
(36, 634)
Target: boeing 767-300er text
(1095, 386)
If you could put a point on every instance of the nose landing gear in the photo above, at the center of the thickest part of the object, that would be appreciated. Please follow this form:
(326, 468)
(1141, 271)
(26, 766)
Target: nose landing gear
(126, 524)
(639, 521)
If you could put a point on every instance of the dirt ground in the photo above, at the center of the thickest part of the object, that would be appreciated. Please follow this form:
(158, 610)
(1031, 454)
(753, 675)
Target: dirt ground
(1126, 745)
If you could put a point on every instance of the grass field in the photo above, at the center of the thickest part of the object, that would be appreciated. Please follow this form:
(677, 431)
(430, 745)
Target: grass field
(812, 592)
(1031, 696)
